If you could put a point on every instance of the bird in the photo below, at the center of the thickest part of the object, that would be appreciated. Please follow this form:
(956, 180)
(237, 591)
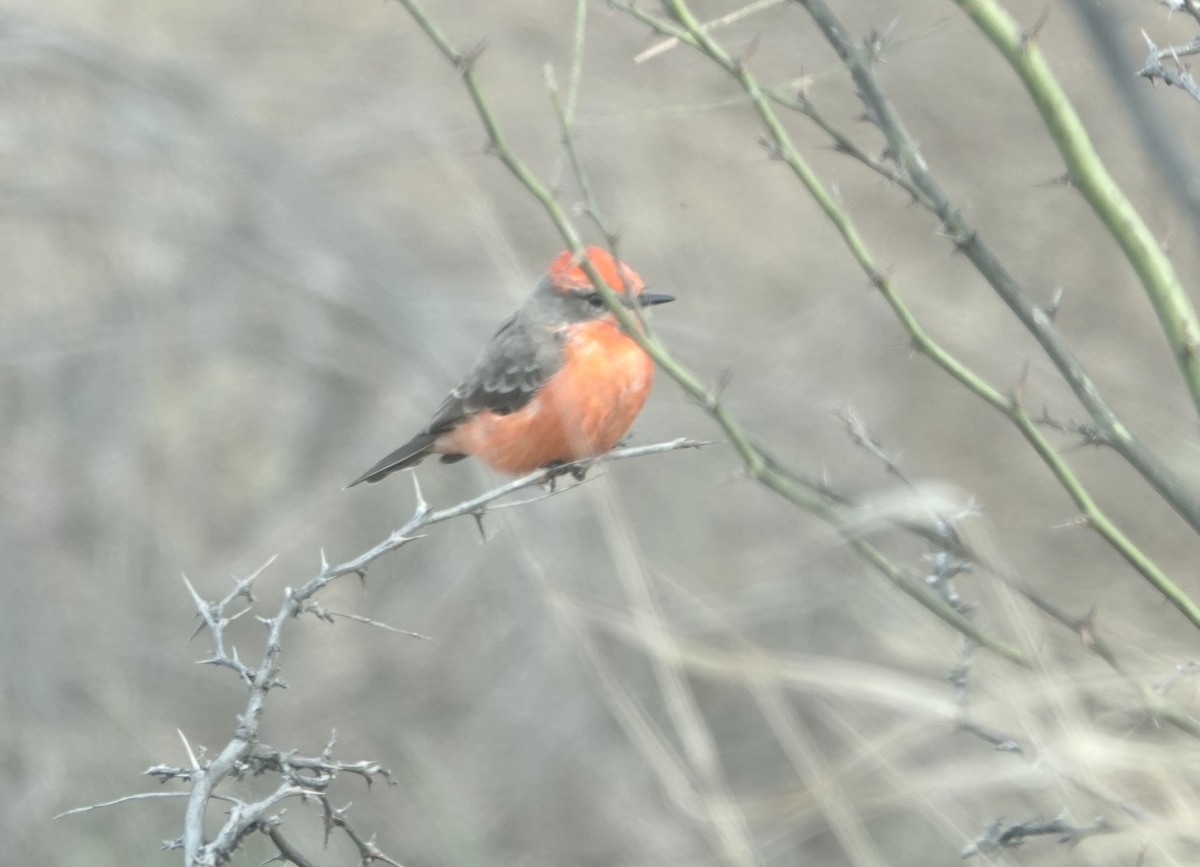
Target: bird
(560, 381)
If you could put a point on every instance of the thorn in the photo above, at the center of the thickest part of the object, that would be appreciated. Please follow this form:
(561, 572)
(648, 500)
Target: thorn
(1019, 389)
(803, 84)
(422, 506)
(324, 561)
(466, 61)
(722, 383)
(960, 238)
(873, 44)
(200, 603)
(1063, 180)
(263, 568)
(1051, 309)
(890, 31)
(1077, 521)
(771, 147)
(478, 516)
(1190, 344)
(1030, 37)
(188, 748)
(1087, 629)
(748, 53)
(1167, 241)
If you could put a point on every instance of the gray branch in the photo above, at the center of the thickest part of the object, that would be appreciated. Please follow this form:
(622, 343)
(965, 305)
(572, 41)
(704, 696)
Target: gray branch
(305, 777)
(860, 60)
(1175, 75)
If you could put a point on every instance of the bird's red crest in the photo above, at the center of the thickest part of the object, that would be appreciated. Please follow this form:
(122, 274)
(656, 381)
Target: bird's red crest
(565, 272)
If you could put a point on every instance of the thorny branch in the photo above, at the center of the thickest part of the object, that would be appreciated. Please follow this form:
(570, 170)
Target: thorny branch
(1191, 7)
(1038, 320)
(758, 463)
(997, 835)
(908, 174)
(1175, 75)
(952, 557)
(307, 778)
(860, 61)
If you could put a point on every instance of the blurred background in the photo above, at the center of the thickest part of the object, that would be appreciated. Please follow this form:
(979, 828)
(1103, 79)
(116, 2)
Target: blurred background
(247, 248)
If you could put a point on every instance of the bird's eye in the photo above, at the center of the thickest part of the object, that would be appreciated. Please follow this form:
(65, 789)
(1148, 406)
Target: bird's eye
(594, 299)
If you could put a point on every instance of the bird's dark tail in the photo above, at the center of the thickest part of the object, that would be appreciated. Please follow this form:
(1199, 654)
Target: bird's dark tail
(408, 455)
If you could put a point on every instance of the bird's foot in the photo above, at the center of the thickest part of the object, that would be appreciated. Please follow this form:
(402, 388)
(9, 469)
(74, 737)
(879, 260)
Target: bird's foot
(557, 469)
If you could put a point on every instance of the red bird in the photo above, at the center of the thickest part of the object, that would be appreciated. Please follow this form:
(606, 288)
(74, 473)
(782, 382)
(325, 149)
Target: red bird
(559, 381)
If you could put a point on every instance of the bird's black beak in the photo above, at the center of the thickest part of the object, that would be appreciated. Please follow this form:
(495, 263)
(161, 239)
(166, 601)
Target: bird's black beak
(649, 299)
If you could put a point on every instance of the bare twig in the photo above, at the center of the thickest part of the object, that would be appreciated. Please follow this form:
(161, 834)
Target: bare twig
(140, 796)
(997, 835)
(303, 777)
(358, 618)
(1176, 75)
(244, 750)
(723, 21)
(757, 463)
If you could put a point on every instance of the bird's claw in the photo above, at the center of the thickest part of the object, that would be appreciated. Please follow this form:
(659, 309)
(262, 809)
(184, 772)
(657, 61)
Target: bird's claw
(555, 469)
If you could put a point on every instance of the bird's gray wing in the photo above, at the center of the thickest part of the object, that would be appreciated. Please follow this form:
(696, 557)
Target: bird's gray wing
(514, 365)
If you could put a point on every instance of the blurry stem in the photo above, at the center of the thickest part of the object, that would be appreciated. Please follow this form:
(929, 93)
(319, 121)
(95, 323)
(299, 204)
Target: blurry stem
(1166, 147)
(842, 815)
(1098, 520)
(465, 64)
(696, 739)
(576, 61)
(785, 150)
(913, 176)
(757, 464)
(843, 144)
(1088, 174)
(566, 109)
(590, 206)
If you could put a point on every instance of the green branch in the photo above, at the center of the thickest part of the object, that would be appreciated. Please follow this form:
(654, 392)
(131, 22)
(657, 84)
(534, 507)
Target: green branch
(1089, 176)
(860, 61)
(786, 151)
(757, 464)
